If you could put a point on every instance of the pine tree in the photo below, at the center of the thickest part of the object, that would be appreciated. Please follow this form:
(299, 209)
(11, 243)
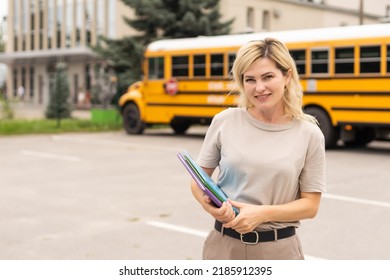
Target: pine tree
(176, 19)
(59, 107)
(158, 19)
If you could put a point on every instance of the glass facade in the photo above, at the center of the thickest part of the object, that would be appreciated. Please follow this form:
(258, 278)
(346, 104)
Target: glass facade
(50, 23)
(41, 24)
(48, 29)
(56, 24)
(79, 21)
(90, 20)
(16, 24)
(101, 17)
(68, 23)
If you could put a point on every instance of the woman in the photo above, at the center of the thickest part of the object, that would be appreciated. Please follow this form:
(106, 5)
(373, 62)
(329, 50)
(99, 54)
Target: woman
(271, 160)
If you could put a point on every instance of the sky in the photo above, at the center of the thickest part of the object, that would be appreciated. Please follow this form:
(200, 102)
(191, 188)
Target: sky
(3, 8)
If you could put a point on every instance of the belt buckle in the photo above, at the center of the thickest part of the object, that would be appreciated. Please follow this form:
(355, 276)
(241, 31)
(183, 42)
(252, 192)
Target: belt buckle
(248, 242)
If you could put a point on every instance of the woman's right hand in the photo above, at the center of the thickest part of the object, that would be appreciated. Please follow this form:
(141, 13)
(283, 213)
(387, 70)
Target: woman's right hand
(224, 214)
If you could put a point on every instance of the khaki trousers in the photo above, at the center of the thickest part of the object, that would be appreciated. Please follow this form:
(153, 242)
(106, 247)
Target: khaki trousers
(222, 247)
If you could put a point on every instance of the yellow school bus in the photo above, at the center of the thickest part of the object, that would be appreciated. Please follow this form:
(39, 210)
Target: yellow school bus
(344, 71)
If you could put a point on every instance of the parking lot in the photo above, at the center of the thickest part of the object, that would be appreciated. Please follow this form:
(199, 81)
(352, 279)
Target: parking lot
(115, 196)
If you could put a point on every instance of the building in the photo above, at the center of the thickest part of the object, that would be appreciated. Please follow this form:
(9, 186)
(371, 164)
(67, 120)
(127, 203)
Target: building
(42, 32)
(278, 15)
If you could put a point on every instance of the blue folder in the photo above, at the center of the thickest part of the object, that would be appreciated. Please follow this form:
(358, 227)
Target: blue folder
(203, 180)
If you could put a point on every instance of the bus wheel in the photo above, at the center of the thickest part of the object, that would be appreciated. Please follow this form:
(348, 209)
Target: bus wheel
(180, 126)
(330, 132)
(363, 136)
(132, 122)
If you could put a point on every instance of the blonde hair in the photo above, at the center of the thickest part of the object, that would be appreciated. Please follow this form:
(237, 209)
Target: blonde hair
(278, 52)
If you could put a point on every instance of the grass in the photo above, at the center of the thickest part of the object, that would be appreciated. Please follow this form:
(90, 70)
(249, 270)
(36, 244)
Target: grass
(39, 126)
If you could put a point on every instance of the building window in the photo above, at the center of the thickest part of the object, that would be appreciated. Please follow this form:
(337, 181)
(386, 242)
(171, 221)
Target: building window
(16, 24)
(15, 43)
(41, 15)
(87, 75)
(32, 25)
(156, 68)
(199, 65)
(23, 78)
(344, 60)
(180, 66)
(266, 25)
(68, 23)
(24, 16)
(59, 23)
(79, 21)
(299, 57)
(50, 24)
(15, 83)
(76, 88)
(31, 81)
(216, 65)
(100, 20)
(250, 18)
(89, 20)
(319, 61)
(370, 59)
(40, 89)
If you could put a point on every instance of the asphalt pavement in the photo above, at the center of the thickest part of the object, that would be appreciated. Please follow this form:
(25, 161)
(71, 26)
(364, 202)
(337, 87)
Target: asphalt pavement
(113, 196)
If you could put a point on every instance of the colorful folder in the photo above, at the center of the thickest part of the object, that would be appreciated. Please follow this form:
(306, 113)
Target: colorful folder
(203, 180)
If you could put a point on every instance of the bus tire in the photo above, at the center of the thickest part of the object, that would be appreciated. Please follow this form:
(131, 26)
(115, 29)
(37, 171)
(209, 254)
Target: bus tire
(330, 132)
(132, 122)
(363, 136)
(180, 126)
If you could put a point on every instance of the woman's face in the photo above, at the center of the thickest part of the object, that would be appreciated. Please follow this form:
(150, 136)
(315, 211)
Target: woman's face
(264, 84)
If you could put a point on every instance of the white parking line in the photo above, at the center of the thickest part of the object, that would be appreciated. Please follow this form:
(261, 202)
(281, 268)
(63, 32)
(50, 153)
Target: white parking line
(122, 144)
(177, 228)
(195, 232)
(357, 200)
(49, 155)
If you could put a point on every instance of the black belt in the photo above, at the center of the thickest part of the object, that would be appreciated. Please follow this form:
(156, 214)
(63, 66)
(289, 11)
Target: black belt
(255, 237)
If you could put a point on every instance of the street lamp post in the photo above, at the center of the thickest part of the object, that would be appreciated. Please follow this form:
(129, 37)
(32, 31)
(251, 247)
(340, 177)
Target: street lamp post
(361, 12)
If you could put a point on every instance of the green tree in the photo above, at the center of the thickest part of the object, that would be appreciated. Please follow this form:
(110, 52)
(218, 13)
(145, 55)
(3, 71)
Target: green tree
(59, 107)
(158, 19)
(2, 43)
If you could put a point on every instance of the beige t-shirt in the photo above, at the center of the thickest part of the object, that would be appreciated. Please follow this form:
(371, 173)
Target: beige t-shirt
(264, 164)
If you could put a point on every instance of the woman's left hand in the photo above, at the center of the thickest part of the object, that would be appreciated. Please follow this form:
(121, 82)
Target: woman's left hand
(249, 218)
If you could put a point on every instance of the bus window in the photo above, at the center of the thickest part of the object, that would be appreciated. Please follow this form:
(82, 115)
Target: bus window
(388, 59)
(199, 65)
(231, 58)
(370, 59)
(156, 68)
(344, 60)
(180, 66)
(300, 60)
(216, 65)
(319, 61)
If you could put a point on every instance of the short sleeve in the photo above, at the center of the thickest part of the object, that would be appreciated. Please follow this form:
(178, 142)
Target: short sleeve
(312, 178)
(210, 153)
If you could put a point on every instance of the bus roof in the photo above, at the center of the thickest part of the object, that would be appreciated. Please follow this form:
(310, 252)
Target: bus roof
(301, 35)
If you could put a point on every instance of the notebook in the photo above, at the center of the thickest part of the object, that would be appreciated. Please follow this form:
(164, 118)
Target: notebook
(203, 180)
